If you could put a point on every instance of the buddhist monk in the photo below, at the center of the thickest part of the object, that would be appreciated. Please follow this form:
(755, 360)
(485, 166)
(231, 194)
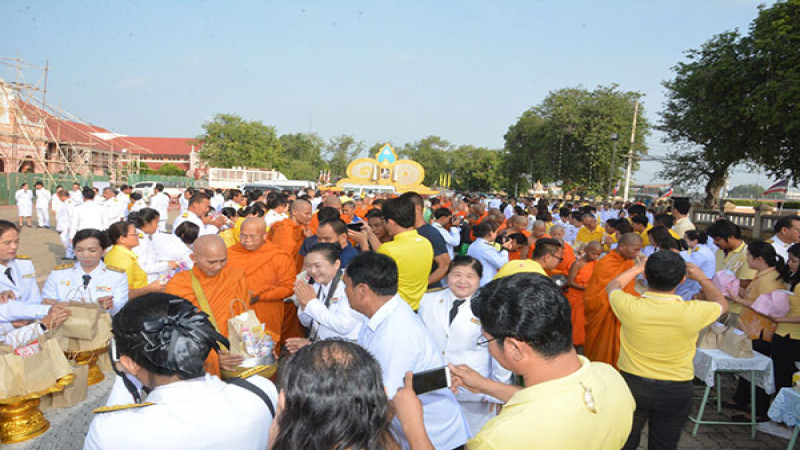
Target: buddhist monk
(579, 275)
(331, 201)
(539, 231)
(602, 326)
(269, 271)
(290, 233)
(219, 284)
(557, 232)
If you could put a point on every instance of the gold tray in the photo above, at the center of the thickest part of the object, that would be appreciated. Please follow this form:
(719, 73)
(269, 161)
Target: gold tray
(82, 357)
(20, 416)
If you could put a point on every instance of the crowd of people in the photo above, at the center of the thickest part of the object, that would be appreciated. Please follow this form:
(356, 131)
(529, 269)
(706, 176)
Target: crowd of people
(562, 325)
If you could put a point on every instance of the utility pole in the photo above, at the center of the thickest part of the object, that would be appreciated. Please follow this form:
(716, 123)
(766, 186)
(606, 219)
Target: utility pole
(630, 153)
(614, 138)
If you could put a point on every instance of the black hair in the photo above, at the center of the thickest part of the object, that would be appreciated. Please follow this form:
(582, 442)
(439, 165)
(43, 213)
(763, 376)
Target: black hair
(696, 235)
(442, 212)
(143, 217)
(337, 225)
(519, 238)
(528, 307)
(327, 213)
(136, 196)
(314, 380)
(468, 261)
(670, 243)
(198, 197)
(374, 213)
(682, 207)
(546, 246)
(563, 211)
(377, 271)
(257, 209)
(664, 271)
(483, 229)
(766, 251)
(401, 211)
(641, 220)
(724, 229)
(6, 225)
(784, 222)
(658, 234)
(228, 212)
(666, 220)
(187, 232)
(330, 252)
(161, 333)
(117, 230)
(88, 233)
(415, 198)
(277, 200)
(623, 226)
(88, 193)
(637, 210)
(158, 187)
(794, 279)
(38, 183)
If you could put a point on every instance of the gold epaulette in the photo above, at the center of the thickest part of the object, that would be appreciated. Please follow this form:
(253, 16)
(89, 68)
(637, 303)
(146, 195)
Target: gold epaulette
(115, 269)
(23, 257)
(64, 266)
(434, 290)
(769, 241)
(105, 409)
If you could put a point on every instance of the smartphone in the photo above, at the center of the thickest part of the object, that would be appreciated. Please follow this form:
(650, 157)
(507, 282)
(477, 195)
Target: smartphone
(431, 380)
(355, 226)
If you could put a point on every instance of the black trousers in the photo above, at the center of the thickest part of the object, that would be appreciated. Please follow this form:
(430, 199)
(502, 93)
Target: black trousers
(663, 405)
(742, 395)
(785, 351)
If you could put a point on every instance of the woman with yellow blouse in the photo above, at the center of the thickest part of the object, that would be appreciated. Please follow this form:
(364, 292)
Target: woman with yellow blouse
(124, 237)
(770, 276)
(786, 341)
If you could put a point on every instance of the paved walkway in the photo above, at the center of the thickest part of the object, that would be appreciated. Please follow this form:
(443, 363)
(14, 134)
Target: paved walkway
(46, 250)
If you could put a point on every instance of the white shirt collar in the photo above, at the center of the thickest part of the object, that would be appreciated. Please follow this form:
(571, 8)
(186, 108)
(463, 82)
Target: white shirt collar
(383, 313)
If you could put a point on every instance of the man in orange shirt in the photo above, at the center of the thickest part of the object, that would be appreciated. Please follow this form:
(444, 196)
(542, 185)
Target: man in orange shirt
(602, 326)
(211, 286)
(269, 271)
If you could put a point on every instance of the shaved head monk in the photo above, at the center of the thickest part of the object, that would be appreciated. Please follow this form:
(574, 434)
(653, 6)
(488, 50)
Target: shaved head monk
(269, 270)
(290, 233)
(602, 326)
(331, 201)
(211, 285)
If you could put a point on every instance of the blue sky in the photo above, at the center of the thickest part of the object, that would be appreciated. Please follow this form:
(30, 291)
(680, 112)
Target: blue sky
(379, 70)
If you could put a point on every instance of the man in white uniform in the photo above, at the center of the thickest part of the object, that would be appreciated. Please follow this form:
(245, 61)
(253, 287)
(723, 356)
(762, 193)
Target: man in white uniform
(124, 199)
(19, 277)
(64, 221)
(397, 339)
(160, 202)
(24, 200)
(42, 205)
(76, 194)
(111, 206)
(787, 233)
(88, 215)
(196, 212)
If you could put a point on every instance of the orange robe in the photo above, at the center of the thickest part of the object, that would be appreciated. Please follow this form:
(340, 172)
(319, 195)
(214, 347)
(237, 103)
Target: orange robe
(575, 297)
(568, 258)
(270, 277)
(533, 246)
(289, 236)
(602, 326)
(219, 291)
(513, 256)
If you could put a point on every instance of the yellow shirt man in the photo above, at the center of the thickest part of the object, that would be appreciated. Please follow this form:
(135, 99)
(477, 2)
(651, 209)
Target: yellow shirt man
(413, 255)
(554, 414)
(585, 235)
(736, 262)
(659, 333)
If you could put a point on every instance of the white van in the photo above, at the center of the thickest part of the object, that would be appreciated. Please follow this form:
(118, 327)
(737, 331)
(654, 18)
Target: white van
(279, 185)
(365, 189)
(173, 189)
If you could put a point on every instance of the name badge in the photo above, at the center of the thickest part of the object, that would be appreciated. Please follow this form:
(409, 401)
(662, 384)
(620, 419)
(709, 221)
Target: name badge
(103, 288)
(334, 300)
(475, 321)
(30, 275)
(65, 282)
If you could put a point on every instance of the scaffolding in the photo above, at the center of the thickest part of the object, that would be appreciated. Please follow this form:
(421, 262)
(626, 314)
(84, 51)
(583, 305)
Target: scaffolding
(38, 137)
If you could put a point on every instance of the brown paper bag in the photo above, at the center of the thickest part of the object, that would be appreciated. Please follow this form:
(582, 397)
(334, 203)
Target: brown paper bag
(247, 320)
(43, 369)
(75, 393)
(100, 339)
(82, 323)
(736, 343)
(711, 336)
(10, 372)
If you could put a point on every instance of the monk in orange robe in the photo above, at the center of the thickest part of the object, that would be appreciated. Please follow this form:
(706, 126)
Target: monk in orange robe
(579, 275)
(289, 235)
(539, 231)
(220, 284)
(269, 271)
(332, 201)
(602, 326)
(557, 232)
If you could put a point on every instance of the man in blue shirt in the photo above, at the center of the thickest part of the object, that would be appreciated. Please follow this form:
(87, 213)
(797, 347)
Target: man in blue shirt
(492, 258)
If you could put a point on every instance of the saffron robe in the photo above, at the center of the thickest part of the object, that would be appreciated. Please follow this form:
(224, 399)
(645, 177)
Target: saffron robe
(576, 298)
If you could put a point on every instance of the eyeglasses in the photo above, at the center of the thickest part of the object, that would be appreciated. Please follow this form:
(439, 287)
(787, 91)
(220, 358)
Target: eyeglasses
(483, 342)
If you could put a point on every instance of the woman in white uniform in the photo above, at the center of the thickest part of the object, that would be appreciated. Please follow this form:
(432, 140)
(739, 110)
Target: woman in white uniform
(89, 279)
(323, 306)
(24, 198)
(455, 330)
(177, 246)
(146, 223)
(162, 341)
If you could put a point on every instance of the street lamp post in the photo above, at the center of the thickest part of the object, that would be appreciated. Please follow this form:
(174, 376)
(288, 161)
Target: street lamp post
(614, 138)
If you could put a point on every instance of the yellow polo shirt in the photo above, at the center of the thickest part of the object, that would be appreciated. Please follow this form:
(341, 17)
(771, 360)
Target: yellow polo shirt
(122, 258)
(585, 236)
(659, 333)
(736, 262)
(555, 414)
(791, 330)
(519, 266)
(414, 257)
(644, 236)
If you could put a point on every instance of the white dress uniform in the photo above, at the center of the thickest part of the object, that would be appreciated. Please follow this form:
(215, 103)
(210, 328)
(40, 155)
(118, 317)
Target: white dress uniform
(457, 342)
(703, 258)
(201, 413)
(329, 314)
(124, 201)
(452, 237)
(56, 204)
(169, 247)
(63, 224)
(217, 201)
(66, 283)
(188, 216)
(76, 196)
(14, 310)
(183, 202)
(271, 217)
(781, 248)
(43, 197)
(399, 341)
(232, 204)
(139, 205)
(160, 202)
(24, 198)
(148, 259)
(88, 215)
(19, 277)
(112, 209)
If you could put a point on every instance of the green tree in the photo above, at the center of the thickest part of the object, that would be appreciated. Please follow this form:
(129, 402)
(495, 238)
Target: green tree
(567, 138)
(433, 153)
(477, 169)
(303, 153)
(746, 191)
(230, 141)
(171, 170)
(340, 152)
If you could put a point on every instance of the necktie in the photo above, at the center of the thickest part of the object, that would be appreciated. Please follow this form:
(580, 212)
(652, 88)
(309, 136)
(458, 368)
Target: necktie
(454, 309)
(319, 293)
(86, 279)
(8, 274)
